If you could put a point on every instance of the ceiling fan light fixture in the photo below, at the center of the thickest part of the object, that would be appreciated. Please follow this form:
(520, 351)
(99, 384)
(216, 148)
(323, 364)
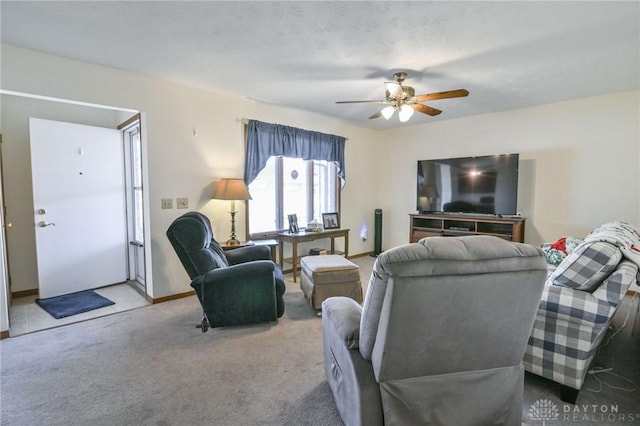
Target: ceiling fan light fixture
(394, 89)
(405, 113)
(387, 112)
(405, 100)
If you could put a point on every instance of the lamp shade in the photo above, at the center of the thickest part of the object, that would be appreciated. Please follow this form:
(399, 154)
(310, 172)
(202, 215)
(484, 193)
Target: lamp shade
(231, 189)
(387, 112)
(405, 113)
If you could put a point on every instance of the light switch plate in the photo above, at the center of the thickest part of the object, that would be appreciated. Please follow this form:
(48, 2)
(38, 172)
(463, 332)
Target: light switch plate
(167, 203)
(182, 202)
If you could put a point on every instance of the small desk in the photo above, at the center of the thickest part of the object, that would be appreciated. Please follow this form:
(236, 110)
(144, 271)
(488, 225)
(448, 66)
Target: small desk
(271, 243)
(303, 236)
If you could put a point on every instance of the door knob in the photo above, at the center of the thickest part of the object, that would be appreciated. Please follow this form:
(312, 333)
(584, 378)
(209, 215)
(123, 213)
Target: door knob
(8, 225)
(43, 224)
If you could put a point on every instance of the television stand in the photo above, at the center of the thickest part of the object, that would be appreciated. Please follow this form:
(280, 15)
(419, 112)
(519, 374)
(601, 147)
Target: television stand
(452, 225)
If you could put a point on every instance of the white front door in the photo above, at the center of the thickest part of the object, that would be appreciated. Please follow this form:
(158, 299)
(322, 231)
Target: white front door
(79, 210)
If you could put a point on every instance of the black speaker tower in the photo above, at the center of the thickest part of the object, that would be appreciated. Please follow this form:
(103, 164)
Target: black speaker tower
(377, 238)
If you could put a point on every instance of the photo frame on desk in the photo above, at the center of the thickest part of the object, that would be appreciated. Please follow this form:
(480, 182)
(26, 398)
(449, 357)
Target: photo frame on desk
(330, 221)
(293, 224)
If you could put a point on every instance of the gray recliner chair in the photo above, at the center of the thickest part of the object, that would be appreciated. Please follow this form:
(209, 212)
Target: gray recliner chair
(441, 335)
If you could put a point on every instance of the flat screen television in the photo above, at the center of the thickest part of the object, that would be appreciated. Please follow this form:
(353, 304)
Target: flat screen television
(480, 185)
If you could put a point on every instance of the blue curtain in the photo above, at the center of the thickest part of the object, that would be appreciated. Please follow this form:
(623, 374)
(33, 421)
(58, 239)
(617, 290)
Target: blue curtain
(266, 140)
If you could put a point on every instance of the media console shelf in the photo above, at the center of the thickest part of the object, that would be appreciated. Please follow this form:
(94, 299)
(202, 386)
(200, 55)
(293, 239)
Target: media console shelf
(451, 225)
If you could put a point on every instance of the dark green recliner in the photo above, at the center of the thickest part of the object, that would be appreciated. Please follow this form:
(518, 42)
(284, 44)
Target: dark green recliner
(236, 287)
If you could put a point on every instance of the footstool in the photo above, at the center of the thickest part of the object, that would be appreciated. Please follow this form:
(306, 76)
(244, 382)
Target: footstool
(329, 275)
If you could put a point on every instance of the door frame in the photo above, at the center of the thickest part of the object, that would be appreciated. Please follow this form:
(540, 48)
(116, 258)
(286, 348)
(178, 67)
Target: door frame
(124, 112)
(5, 276)
(134, 247)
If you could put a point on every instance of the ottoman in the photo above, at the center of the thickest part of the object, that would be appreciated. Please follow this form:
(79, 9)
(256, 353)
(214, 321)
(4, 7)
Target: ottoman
(329, 275)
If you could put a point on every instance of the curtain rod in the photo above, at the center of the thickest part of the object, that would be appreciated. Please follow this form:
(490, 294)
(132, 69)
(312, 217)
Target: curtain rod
(246, 121)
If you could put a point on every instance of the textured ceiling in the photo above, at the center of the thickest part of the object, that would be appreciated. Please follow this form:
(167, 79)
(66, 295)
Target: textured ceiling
(307, 55)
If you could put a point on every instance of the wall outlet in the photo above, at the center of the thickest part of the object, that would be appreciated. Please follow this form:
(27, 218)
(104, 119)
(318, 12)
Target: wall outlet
(167, 203)
(182, 202)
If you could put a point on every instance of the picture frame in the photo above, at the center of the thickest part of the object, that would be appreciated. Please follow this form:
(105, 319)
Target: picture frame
(330, 220)
(293, 224)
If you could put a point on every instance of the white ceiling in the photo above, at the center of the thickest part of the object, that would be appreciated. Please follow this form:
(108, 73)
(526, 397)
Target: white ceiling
(307, 55)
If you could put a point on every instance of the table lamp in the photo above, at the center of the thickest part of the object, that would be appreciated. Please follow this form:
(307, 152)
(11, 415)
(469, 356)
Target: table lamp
(231, 189)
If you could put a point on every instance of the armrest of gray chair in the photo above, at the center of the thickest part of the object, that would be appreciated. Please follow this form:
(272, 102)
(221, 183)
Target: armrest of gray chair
(247, 254)
(341, 316)
(350, 377)
(239, 294)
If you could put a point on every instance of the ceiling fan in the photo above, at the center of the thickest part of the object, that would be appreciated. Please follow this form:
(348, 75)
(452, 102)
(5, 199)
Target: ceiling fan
(404, 100)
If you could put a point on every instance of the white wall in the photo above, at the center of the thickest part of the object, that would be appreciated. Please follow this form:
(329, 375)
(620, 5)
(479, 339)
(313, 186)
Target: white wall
(180, 164)
(579, 159)
(578, 163)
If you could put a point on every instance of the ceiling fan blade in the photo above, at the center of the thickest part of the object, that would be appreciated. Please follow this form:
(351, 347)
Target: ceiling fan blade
(376, 115)
(425, 109)
(443, 95)
(361, 102)
(394, 89)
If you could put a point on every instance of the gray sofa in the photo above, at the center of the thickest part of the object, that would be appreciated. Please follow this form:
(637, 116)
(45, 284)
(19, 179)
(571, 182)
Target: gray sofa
(441, 335)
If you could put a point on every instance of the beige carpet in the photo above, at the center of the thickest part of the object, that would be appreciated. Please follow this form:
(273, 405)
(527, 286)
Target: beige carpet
(151, 366)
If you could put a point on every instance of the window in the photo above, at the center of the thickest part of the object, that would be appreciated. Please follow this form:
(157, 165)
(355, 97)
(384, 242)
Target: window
(133, 142)
(286, 186)
(290, 171)
(133, 177)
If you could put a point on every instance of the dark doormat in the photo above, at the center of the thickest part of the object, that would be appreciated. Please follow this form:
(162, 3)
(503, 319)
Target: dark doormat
(73, 303)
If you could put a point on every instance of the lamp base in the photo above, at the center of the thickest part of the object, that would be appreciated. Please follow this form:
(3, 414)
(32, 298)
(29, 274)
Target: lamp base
(233, 242)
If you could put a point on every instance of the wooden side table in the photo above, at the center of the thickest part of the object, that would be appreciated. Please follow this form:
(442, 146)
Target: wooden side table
(302, 236)
(271, 243)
